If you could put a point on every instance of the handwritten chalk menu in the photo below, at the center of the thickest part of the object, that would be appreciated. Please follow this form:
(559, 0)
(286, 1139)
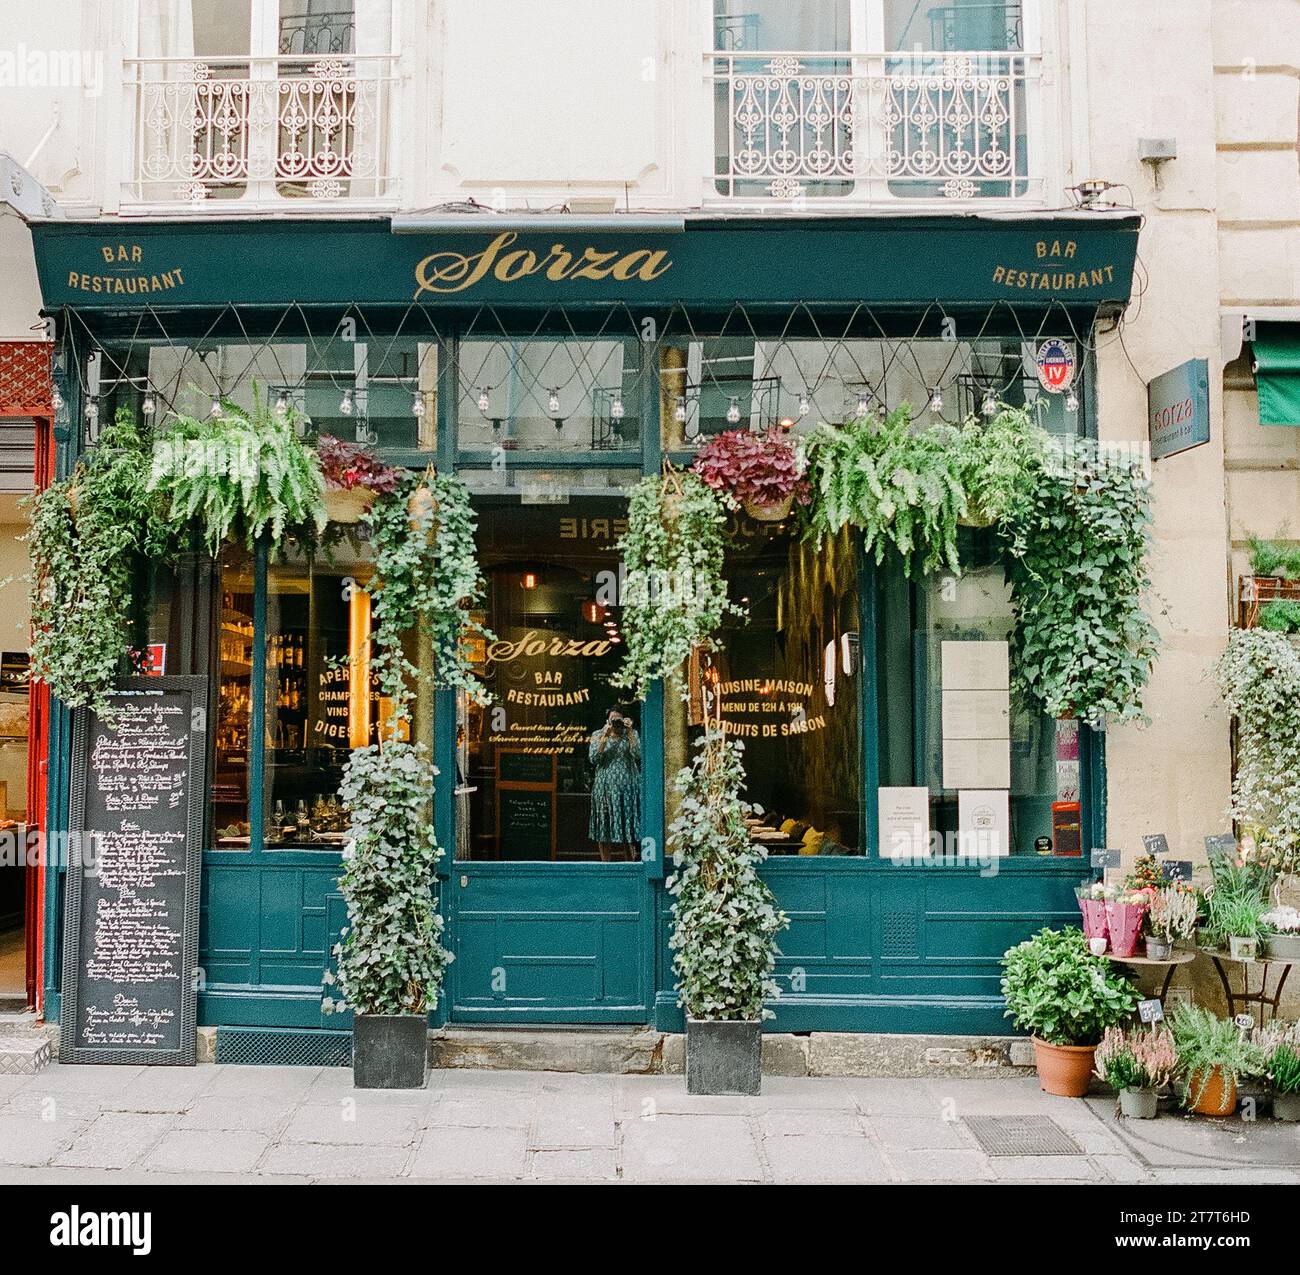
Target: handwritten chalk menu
(132, 901)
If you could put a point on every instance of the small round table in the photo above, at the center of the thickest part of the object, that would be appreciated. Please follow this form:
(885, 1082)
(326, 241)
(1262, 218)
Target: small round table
(1237, 1000)
(1179, 956)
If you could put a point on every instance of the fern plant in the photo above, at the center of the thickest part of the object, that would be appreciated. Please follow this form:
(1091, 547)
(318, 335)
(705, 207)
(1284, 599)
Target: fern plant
(92, 537)
(240, 474)
(902, 489)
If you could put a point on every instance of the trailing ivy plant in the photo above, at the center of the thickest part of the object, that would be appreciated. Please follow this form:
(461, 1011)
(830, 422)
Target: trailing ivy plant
(674, 597)
(1259, 677)
(1079, 566)
(390, 956)
(725, 919)
(92, 537)
(240, 473)
(426, 580)
(902, 489)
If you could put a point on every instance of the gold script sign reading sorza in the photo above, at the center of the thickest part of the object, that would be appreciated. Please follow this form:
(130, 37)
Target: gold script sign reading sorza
(446, 272)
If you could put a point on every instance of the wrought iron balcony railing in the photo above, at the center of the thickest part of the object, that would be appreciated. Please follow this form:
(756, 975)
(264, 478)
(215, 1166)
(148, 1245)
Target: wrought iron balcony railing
(262, 130)
(882, 126)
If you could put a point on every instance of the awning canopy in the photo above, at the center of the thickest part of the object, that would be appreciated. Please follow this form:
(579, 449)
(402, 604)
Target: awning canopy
(1277, 373)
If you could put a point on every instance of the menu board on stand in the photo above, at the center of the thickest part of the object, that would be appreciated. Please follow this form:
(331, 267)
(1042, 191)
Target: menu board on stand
(131, 918)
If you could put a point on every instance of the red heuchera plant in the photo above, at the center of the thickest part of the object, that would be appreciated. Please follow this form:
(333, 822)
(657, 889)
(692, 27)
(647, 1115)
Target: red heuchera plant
(763, 468)
(349, 465)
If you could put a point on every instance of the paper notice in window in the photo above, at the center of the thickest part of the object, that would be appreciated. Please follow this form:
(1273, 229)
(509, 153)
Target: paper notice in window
(977, 763)
(976, 715)
(983, 823)
(975, 666)
(904, 824)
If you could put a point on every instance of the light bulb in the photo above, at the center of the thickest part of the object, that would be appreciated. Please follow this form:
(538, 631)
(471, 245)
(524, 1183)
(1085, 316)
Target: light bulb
(862, 404)
(1071, 402)
(215, 410)
(417, 404)
(483, 401)
(936, 400)
(282, 405)
(553, 403)
(679, 412)
(616, 409)
(147, 405)
(990, 404)
(804, 405)
(733, 412)
(92, 411)
(345, 406)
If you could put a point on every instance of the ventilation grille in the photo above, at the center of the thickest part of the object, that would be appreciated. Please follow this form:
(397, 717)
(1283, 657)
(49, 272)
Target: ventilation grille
(1021, 1135)
(899, 933)
(283, 1047)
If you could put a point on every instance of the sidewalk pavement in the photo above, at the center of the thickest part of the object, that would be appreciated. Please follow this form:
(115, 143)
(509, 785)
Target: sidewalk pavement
(218, 1123)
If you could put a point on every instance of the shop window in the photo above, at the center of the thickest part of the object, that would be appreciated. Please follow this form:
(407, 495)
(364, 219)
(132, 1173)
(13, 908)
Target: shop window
(565, 395)
(232, 743)
(952, 720)
(552, 770)
(788, 682)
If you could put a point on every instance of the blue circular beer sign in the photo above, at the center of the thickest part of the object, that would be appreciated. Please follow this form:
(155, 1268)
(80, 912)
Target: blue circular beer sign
(1055, 364)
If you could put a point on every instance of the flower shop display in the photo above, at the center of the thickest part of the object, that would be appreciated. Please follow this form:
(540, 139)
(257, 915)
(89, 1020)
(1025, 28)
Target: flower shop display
(763, 471)
(92, 537)
(1137, 1062)
(241, 474)
(1280, 933)
(1213, 1056)
(1125, 915)
(1065, 998)
(1279, 1049)
(353, 476)
(1171, 920)
(1079, 567)
(1092, 897)
(1259, 678)
(674, 597)
(725, 921)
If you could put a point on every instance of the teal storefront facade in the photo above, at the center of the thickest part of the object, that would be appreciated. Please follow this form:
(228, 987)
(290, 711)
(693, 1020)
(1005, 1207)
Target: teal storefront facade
(552, 368)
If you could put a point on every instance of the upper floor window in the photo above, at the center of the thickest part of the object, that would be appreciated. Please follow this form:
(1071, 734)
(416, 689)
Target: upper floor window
(260, 100)
(878, 99)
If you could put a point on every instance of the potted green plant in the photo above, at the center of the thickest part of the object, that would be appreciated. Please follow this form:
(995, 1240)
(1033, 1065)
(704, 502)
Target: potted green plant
(1171, 920)
(1213, 1055)
(763, 471)
(725, 922)
(354, 477)
(240, 474)
(999, 459)
(390, 957)
(1137, 1063)
(1280, 933)
(1065, 998)
(1279, 1049)
(1240, 917)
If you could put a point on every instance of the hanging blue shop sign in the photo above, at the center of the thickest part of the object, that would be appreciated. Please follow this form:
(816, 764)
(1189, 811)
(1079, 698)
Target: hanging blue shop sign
(1178, 409)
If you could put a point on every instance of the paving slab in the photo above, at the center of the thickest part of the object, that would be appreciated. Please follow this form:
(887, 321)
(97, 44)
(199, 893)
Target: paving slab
(454, 1152)
(334, 1161)
(574, 1164)
(27, 1139)
(691, 1148)
(198, 1151)
(824, 1158)
(116, 1140)
(345, 1121)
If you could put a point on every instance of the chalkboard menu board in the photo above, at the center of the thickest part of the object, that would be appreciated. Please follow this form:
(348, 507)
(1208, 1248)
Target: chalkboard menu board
(526, 822)
(131, 922)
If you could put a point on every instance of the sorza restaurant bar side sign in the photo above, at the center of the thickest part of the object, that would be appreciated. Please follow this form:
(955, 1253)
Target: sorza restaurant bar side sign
(904, 260)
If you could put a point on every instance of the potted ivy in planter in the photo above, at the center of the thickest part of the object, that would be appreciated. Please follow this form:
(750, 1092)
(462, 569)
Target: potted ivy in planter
(1137, 1063)
(390, 957)
(1213, 1055)
(763, 471)
(354, 477)
(1065, 998)
(725, 922)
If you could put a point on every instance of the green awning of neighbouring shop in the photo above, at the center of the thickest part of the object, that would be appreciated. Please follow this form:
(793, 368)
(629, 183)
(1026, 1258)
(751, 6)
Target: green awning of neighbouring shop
(1277, 374)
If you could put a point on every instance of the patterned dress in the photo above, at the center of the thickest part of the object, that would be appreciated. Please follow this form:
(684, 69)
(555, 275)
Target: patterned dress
(616, 790)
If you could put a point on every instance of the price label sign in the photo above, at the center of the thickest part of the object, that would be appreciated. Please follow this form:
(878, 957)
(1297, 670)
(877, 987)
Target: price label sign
(1223, 843)
(1105, 859)
(1151, 1011)
(1176, 869)
(1155, 843)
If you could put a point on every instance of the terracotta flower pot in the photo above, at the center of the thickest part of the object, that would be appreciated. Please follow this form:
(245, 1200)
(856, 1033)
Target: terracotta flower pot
(1218, 1097)
(1124, 920)
(1064, 1070)
(769, 513)
(1094, 918)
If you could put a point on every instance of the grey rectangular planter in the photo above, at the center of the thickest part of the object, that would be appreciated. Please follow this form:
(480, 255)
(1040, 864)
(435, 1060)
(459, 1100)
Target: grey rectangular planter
(390, 1051)
(724, 1057)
